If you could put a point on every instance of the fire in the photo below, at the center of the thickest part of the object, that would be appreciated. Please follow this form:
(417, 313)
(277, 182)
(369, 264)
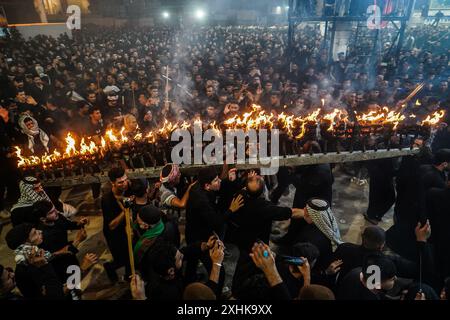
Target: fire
(256, 118)
(122, 137)
(22, 161)
(88, 149)
(334, 117)
(384, 116)
(138, 136)
(394, 117)
(434, 118)
(287, 122)
(310, 118)
(167, 128)
(70, 148)
(111, 137)
(216, 129)
(185, 125)
(150, 137)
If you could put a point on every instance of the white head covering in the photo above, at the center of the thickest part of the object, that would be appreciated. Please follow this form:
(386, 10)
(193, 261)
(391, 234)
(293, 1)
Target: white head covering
(32, 133)
(28, 196)
(320, 212)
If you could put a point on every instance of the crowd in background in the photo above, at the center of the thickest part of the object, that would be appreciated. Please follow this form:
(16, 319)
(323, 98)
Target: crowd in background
(112, 77)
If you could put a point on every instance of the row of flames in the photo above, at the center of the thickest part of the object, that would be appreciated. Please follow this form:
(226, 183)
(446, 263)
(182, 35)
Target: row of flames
(293, 126)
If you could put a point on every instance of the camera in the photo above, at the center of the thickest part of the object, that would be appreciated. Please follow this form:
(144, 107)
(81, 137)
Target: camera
(293, 261)
(128, 202)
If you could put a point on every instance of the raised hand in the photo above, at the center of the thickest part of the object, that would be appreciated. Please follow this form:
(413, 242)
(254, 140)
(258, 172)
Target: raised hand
(237, 203)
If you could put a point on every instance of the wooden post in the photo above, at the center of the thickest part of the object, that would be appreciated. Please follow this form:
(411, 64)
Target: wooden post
(129, 232)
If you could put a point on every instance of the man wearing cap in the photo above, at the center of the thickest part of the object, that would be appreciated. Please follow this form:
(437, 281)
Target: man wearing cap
(150, 228)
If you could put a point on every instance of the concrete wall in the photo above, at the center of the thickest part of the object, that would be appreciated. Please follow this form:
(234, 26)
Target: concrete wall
(50, 29)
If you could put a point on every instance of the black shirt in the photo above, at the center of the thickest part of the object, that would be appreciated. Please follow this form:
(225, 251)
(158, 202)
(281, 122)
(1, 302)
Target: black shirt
(32, 280)
(117, 238)
(203, 215)
(351, 288)
(310, 233)
(55, 236)
(254, 221)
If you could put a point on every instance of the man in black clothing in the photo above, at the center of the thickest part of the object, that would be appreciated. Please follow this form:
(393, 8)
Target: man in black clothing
(290, 273)
(165, 280)
(150, 230)
(8, 167)
(439, 210)
(254, 220)
(114, 223)
(360, 283)
(352, 255)
(315, 181)
(205, 217)
(269, 285)
(381, 189)
(95, 125)
(81, 118)
(54, 227)
(95, 128)
(413, 184)
(55, 120)
(39, 91)
(7, 285)
(35, 277)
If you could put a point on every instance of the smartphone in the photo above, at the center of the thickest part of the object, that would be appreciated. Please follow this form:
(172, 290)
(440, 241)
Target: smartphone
(293, 261)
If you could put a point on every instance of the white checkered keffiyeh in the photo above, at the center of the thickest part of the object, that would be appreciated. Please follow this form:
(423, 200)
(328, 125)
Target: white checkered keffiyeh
(323, 218)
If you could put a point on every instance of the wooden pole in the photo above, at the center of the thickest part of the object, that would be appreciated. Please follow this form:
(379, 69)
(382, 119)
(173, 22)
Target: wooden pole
(129, 232)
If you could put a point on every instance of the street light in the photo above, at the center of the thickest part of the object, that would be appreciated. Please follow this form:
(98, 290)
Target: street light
(165, 15)
(200, 14)
(278, 10)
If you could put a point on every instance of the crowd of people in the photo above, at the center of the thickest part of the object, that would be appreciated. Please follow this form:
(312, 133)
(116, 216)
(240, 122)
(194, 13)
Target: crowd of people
(112, 78)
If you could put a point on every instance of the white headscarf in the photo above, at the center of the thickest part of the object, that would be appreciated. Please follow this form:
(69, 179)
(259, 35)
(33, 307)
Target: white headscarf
(33, 132)
(320, 212)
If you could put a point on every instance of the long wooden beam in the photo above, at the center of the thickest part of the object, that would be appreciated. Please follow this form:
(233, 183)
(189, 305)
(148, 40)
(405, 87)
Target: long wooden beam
(291, 160)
